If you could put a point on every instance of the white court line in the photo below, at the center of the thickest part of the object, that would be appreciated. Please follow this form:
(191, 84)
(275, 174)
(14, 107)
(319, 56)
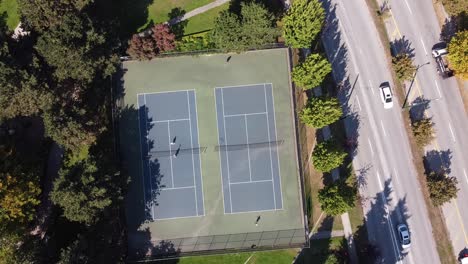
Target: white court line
(149, 167)
(269, 145)
(359, 104)
(383, 128)
(276, 139)
(466, 177)
(170, 153)
(438, 90)
(219, 152)
(246, 182)
(177, 188)
(409, 8)
(165, 92)
(193, 161)
(370, 145)
(249, 114)
(227, 154)
(248, 148)
(178, 217)
(199, 158)
(243, 85)
(170, 120)
(371, 87)
(451, 132)
(142, 166)
(259, 211)
(424, 46)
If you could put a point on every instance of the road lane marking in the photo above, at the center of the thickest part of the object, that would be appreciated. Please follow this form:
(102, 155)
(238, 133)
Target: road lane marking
(396, 25)
(461, 221)
(409, 8)
(371, 87)
(370, 145)
(424, 46)
(358, 103)
(466, 177)
(438, 90)
(451, 132)
(383, 128)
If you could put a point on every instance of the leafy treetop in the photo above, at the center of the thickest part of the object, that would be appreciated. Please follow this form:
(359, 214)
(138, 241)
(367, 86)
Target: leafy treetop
(303, 23)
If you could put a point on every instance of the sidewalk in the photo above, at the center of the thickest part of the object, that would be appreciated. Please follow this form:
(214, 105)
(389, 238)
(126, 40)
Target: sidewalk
(197, 11)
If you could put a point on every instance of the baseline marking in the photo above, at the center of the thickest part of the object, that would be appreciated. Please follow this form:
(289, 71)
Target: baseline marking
(243, 85)
(249, 114)
(142, 160)
(234, 183)
(227, 154)
(169, 120)
(191, 145)
(176, 188)
(269, 145)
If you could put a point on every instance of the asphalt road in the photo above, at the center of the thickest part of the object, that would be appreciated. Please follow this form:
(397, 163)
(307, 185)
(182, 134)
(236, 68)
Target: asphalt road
(417, 22)
(383, 161)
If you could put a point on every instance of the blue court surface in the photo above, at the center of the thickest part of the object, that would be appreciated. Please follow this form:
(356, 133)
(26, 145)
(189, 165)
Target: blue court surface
(248, 148)
(170, 155)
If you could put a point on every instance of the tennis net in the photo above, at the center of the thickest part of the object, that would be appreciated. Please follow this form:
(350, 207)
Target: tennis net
(168, 153)
(269, 144)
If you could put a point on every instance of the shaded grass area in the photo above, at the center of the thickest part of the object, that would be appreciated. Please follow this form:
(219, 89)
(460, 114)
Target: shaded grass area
(320, 249)
(204, 21)
(263, 257)
(10, 8)
(159, 10)
(439, 229)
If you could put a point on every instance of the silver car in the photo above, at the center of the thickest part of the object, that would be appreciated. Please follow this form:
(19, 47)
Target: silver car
(404, 236)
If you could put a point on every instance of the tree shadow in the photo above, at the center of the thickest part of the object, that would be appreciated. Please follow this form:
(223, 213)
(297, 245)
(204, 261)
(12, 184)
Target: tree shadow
(143, 248)
(132, 15)
(177, 25)
(418, 108)
(381, 220)
(449, 28)
(402, 46)
(361, 177)
(438, 161)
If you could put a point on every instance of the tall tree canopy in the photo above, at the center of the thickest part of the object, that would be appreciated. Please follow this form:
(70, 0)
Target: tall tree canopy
(337, 198)
(403, 66)
(321, 111)
(327, 155)
(442, 188)
(303, 23)
(458, 53)
(253, 28)
(311, 72)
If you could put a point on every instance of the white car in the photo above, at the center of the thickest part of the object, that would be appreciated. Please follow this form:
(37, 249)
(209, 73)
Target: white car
(386, 95)
(404, 236)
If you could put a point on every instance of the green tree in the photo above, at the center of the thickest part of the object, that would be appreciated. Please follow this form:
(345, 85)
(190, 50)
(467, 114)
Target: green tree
(442, 188)
(311, 72)
(455, 7)
(332, 259)
(327, 155)
(81, 191)
(321, 111)
(403, 66)
(254, 28)
(303, 23)
(458, 54)
(337, 198)
(423, 131)
(75, 253)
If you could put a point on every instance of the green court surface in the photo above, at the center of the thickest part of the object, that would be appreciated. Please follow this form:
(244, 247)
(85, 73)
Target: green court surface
(213, 230)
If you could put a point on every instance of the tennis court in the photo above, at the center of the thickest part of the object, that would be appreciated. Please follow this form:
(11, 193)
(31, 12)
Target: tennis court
(248, 148)
(170, 154)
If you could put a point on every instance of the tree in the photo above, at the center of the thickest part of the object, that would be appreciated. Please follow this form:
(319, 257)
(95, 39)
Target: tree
(458, 54)
(80, 190)
(403, 66)
(455, 7)
(321, 111)
(327, 155)
(75, 253)
(165, 39)
(332, 259)
(442, 188)
(337, 198)
(423, 131)
(303, 23)
(254, 28)
(311, 72)
(142, 48)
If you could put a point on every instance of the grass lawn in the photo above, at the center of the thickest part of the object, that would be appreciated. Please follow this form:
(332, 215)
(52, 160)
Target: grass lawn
(159, 10)
(265, 257)
(10, 7)
(320, 249)
(204, 21)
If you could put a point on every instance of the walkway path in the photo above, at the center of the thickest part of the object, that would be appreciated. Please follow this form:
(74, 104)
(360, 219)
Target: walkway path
(197, 11)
